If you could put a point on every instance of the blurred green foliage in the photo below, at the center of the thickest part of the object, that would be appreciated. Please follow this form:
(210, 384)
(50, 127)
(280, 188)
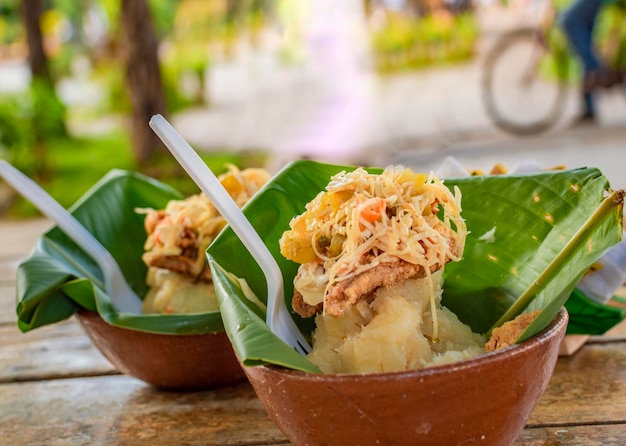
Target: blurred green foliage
(16, 134)
(10, 25)
(410, 42)
(26, 119)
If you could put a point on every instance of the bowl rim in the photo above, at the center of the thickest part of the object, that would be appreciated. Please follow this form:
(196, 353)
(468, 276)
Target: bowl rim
(86, 313)
(558, 323)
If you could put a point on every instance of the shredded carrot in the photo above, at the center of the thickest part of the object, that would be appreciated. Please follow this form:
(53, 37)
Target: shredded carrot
(371, 210)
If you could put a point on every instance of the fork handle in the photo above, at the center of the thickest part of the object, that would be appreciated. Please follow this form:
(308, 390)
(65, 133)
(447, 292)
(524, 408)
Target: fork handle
(53, 210)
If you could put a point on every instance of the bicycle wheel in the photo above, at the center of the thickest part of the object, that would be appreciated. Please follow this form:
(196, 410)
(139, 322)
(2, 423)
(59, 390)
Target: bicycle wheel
(524, 85)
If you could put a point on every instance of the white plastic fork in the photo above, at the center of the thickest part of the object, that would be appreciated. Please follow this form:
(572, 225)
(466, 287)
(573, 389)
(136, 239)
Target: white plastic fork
(115, 285)
(278, 318)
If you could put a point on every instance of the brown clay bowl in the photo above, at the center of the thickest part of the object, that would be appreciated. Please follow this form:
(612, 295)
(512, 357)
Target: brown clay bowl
(485, 400)
(177, 362)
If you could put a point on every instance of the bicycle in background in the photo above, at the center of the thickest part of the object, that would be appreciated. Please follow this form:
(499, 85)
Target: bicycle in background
(529, 72)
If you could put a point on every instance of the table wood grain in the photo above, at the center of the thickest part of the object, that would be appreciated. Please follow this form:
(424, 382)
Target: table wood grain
(57, 389)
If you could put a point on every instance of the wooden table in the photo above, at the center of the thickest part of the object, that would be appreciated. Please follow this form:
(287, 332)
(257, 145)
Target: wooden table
(56, 389)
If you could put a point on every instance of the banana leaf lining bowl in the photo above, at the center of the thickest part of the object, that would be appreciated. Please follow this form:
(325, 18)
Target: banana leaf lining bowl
(531, 239)
(58, 280)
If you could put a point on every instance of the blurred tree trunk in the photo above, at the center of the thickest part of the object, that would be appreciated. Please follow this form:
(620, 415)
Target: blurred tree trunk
(31, 14)
(367, 8)
(48, 115)
(418, 7)
(143, 76)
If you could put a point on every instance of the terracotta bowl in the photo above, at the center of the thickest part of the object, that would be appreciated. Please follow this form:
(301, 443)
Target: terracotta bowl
(485, 400)
(177, 362)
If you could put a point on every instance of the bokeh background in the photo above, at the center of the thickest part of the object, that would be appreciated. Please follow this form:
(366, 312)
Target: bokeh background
(247, 82)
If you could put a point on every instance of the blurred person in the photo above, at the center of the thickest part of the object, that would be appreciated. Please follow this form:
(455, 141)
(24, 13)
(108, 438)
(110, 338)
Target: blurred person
(579, 20)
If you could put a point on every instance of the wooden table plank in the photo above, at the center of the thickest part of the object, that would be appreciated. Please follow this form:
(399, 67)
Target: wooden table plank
(55, 351)
(121, 410)
(588, 387)
(7, 303)
(8, 267)
(593, 435)
(113, 410)
(17, 243)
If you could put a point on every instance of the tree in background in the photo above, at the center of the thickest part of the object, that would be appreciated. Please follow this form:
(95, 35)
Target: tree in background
(31, 13)
(142, 76)
(48, 113)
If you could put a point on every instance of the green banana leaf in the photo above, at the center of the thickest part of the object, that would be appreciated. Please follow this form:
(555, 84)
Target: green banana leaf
(588, 317)
(531, 238)
(58, 277)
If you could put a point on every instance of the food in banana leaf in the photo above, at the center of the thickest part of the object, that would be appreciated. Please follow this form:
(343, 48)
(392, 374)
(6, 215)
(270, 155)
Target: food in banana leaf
(178, 277)
(372, 249)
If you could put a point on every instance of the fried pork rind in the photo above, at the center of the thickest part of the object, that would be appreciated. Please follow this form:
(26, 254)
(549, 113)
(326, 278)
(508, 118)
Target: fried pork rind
(508, 334)
(366, 231)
